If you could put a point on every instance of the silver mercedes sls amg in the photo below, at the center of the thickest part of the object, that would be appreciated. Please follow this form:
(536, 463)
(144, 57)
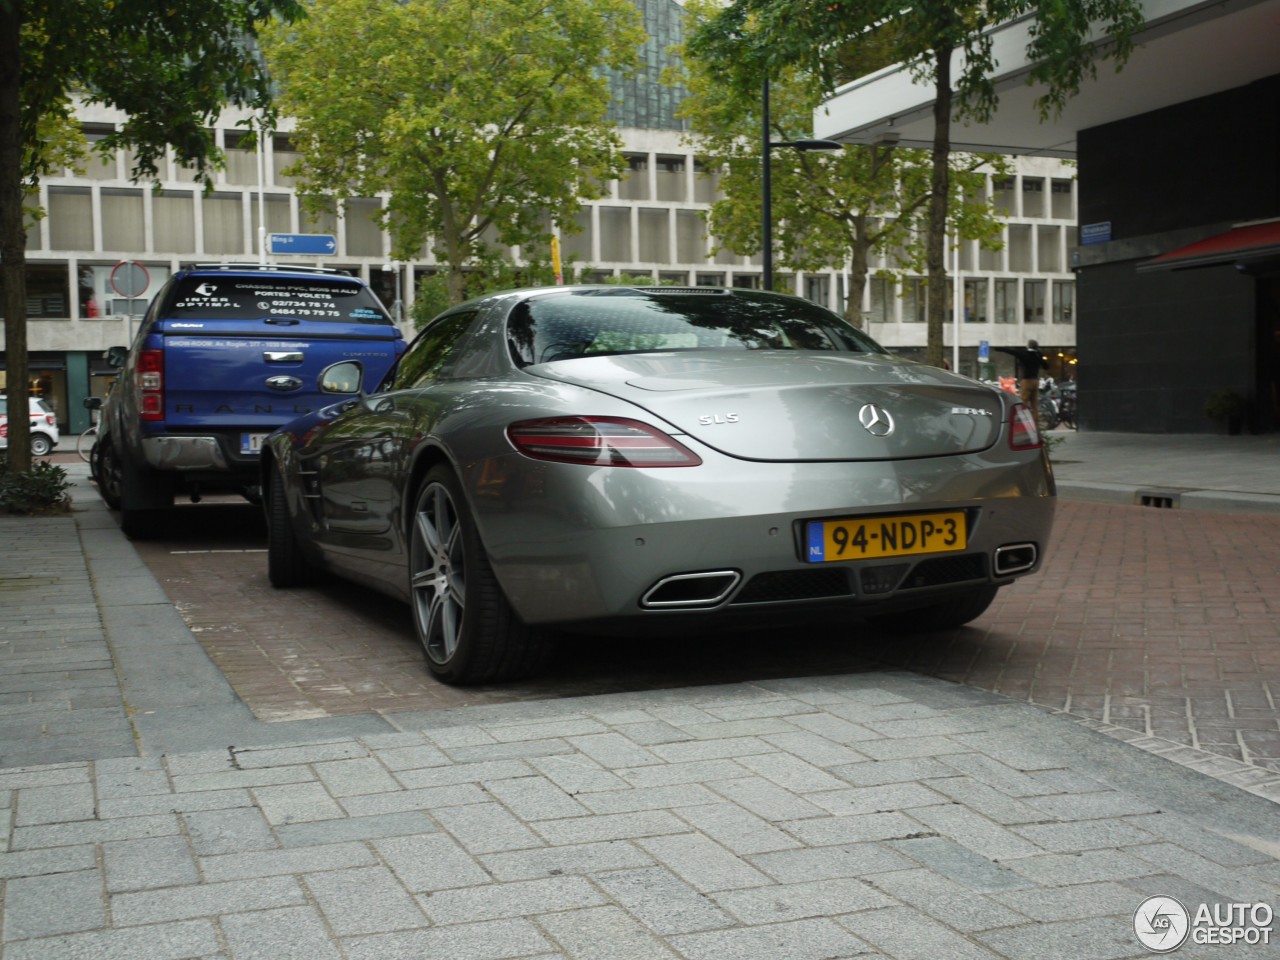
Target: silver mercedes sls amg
(674, 459)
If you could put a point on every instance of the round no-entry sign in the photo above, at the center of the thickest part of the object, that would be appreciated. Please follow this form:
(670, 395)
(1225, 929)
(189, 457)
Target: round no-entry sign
(129, 279)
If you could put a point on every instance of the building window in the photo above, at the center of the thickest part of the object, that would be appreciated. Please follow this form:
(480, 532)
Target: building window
(1064, 302)
(881, 306)
(1006, 292)
(1033, 308)
(915, 300)
(710, 280)
(817, 289)
(975, 301)
(48, 292)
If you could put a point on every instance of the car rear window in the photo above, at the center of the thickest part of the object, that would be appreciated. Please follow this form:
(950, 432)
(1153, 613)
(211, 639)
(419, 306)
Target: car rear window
(595, 322)
(253, 298)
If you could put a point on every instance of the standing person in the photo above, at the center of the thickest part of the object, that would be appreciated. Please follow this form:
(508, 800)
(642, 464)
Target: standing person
(1028, 362)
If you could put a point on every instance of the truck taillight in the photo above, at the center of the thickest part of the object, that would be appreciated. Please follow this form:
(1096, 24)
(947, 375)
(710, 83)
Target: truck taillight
(150, 378)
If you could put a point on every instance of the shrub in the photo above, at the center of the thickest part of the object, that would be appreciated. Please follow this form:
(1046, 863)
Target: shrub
(42, 489)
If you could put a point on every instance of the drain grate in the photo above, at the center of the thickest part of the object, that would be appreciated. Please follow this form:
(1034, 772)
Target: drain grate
(1160, 499)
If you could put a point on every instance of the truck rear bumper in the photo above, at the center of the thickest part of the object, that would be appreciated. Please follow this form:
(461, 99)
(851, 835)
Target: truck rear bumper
(184, 453)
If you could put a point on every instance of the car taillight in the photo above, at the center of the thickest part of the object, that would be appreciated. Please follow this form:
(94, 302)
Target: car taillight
(1023, 432)
(150, 379)
(599, 441)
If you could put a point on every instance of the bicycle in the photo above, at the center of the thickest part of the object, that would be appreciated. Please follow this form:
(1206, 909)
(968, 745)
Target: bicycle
(85, 442)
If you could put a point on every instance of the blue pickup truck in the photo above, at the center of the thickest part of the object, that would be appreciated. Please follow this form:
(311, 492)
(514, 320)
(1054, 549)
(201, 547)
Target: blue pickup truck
(224, 355)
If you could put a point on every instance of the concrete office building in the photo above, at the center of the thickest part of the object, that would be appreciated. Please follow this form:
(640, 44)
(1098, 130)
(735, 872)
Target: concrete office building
(650, 223)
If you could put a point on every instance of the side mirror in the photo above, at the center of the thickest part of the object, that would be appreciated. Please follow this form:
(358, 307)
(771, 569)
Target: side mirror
(93, 403)
(116, 356)
(342, 377)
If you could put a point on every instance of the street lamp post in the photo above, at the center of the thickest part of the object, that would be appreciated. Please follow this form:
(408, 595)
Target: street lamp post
(766, 179)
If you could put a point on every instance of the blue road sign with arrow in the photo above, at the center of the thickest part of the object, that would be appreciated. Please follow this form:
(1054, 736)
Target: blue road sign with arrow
(306, 244)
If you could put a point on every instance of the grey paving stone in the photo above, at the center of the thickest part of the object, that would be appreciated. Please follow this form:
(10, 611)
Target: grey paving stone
(430, 863)
(670, 774)
(798, 901)
(545, 729)
(955, 904)
(1102, 938)
(254, 777)
(952, 860)
(730, 729)
(53, 903)
(31, 863)
(648, 798)
(650, 732)
(351, 778)
(165, 941)
(173, 803)
(779, 707)
(613, 751)
(604, 933)
(578, 775)
(882, 799)
(912, 747)
(203, 900)
(423, 798)
(130, 777)
(583, 859)
(518, 899)
(792, 773)
(514, 750)
(998, 775)
(1212, 842)
(615, 826)
(406, 756)
(1092, 806)
(93, 831)
(1241, 885)
(975, 831)
(827, 863)
(491, 940)
(816, 939)
(228, 831)
(453, 774)
(248, 758)
(1084, 835)
(148, 863)
(905, 935)
(454, 735)
(815, 748)
(290, 933)
(1091, 866)
(486, 828)
(766, 799)
(291, 860)
(703, 863)
(63, 803)
(829, 831)
(737, 829)
(408, 823)
(1082, 902)
(691, 750)
(296, 803)
(364, 900)
(991, 802)
(662, 901)
(534, 798)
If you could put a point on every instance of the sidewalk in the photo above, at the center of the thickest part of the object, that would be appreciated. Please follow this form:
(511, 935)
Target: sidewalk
(146, 814)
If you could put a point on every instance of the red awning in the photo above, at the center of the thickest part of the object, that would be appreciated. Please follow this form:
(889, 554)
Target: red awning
(1253, 242)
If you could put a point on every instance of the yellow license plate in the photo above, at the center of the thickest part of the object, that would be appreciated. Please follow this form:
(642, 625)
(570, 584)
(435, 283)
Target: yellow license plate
(863, 538)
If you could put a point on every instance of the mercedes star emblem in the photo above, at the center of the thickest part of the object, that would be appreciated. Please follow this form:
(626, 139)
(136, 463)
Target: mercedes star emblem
(876, 420)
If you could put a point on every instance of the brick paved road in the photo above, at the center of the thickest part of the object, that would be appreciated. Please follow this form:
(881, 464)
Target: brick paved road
(1163, 623)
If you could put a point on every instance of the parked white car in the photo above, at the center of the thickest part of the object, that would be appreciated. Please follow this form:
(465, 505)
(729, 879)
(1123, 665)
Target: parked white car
(44, 426)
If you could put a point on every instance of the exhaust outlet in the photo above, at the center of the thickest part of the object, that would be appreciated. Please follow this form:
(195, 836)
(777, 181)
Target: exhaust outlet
(1015, 558)
(705, 589)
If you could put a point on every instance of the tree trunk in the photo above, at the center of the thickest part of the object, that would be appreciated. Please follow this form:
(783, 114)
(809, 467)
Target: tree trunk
(935, 249)
(13, 237)
(858, 259)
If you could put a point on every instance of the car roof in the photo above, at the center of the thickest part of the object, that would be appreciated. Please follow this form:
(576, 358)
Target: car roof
(269, 269)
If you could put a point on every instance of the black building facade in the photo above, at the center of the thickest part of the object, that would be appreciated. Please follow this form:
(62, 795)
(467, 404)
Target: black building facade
(1179, 298)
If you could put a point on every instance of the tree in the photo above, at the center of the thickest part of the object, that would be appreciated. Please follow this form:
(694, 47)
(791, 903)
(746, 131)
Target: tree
(171, 67)
(837, 209)
(751, 39)
(483, 121)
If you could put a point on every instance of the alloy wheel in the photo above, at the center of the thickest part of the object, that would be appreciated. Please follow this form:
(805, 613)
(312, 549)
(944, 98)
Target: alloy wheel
(438, 576)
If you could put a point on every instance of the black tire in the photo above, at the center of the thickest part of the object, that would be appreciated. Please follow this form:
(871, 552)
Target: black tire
(945, 615)
(141, 524)
(468, 631)
(104, 465)
(286, 564)
(41, 445)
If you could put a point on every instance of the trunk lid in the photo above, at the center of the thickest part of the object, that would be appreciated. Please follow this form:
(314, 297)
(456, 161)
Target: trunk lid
(799, 405)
